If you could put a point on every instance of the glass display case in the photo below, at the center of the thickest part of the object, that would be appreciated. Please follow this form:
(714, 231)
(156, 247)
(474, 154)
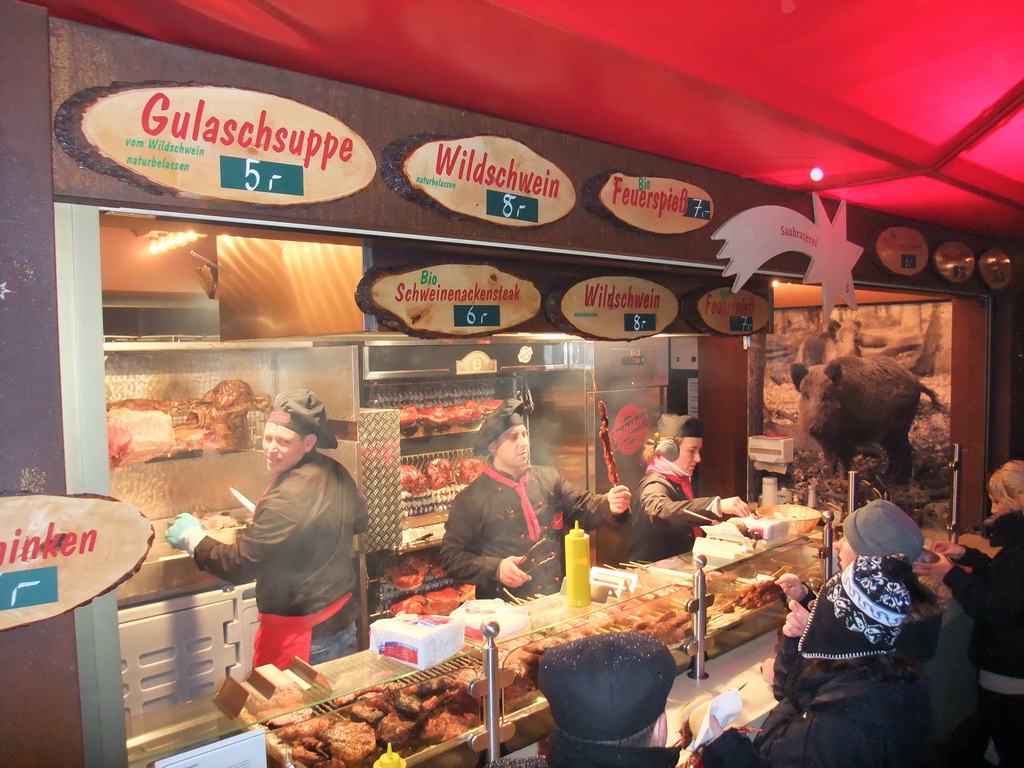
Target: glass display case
(361, 703)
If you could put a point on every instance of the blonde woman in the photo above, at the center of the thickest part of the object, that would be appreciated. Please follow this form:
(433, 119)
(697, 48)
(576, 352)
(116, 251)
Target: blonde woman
(992, 593)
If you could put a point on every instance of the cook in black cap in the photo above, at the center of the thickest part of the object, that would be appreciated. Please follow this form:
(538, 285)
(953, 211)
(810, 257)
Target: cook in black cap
(298, 548)
(504, 531)
(607, 695)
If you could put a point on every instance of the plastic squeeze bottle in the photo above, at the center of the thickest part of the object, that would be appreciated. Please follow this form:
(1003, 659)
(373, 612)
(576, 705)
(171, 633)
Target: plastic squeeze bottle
(577, 567)
(390, 760)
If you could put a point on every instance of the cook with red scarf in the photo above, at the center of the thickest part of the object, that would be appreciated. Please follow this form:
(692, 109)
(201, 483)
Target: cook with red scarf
(505, 529)
(298, 547)
(666, 510)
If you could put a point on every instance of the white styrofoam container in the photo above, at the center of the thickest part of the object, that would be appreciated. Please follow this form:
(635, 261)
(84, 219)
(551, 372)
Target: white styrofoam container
(419, 641)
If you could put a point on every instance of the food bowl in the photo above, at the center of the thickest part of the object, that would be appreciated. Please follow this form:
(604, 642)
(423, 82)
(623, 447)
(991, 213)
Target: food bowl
(802, 520)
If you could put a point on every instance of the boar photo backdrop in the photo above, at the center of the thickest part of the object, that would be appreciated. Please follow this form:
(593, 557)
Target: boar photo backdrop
(866, 390)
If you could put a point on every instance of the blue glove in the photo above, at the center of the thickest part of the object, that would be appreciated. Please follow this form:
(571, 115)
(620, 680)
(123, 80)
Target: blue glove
(185, 532)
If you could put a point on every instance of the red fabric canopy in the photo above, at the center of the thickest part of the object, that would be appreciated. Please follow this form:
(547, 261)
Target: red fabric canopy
(908, 107)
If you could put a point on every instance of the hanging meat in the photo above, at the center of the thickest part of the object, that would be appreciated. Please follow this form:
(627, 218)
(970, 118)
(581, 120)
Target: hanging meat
(468, 470)
(408, 420)
(413, 481)
(606, 444)
(440, 473)
(466, 414)
(437, 418)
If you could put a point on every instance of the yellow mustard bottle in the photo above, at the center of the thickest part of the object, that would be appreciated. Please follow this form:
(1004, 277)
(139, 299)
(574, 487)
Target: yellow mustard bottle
(389, 760)
(577, 567)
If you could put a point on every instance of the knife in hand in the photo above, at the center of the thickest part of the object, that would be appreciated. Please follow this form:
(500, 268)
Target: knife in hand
(243, 501)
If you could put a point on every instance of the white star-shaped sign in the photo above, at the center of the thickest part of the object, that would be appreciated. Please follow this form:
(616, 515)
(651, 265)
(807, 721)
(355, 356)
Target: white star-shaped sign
(4, 290)
(757, 234)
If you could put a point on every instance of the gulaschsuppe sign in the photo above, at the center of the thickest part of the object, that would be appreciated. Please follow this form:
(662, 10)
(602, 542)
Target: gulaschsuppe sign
(212, 142)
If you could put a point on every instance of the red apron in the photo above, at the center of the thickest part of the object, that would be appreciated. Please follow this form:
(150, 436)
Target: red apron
(280, 639)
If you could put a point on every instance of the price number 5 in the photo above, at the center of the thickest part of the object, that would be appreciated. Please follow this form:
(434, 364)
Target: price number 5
(252, 176)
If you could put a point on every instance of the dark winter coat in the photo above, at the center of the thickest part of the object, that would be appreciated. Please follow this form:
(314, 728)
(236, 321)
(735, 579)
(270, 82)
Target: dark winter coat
(661, 526)
(837, 720)
(298, 548)
(993, 595)
(486, 524)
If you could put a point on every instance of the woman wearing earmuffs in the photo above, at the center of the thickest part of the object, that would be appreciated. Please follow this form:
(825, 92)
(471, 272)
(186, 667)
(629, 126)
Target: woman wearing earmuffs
(665, 507)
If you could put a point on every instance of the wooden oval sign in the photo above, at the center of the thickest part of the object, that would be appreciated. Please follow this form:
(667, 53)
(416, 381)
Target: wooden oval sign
(902, 250)
(211, 142)
(955, 261)
(613, 307)
(455, 300)
(996, 268)
(60, 552)
(650, 203)
(492, 178)
(722, 311)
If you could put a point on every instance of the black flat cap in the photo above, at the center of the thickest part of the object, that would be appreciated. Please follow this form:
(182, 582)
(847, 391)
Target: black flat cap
(607, 687)
(674, 425)
(507, 415)
(302, 412)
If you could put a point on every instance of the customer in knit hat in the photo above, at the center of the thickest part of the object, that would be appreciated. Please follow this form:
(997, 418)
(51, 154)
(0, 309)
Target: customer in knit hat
(859, 613)
(881, 528)
(858, 702)
(607, 695)
(878, 528)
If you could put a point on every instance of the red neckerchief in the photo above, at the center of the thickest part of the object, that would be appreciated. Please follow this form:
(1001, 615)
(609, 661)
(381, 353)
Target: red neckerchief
(532, 525)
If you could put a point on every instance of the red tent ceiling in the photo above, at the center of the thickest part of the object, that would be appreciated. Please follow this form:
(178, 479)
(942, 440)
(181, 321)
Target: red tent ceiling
(909, 106)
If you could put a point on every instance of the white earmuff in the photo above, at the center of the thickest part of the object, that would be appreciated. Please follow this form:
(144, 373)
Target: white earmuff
(668, 449)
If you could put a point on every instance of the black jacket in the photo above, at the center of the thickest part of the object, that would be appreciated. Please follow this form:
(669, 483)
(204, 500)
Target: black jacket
(661, 526)
(486, 524)
(837, 720)
(299, 545)
(993, 595)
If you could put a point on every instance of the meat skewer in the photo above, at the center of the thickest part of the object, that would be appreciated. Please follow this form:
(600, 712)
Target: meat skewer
(606, 443)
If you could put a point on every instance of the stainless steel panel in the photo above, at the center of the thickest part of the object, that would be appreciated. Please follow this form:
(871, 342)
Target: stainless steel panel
(559, 436)
(624, 364)
(270, 288)
(395, 359)
(331, 372)
(170, 374)
(162, 489)
(379, 455)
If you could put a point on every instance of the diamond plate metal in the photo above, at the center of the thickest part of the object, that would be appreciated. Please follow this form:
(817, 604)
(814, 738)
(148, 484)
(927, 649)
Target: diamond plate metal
(379, 469)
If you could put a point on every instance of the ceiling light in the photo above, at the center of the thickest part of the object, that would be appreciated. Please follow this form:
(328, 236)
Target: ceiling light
(817, 174)
(160, 241)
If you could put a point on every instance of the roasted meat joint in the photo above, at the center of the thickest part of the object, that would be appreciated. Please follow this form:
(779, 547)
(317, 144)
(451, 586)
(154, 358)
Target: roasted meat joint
(140, 429)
